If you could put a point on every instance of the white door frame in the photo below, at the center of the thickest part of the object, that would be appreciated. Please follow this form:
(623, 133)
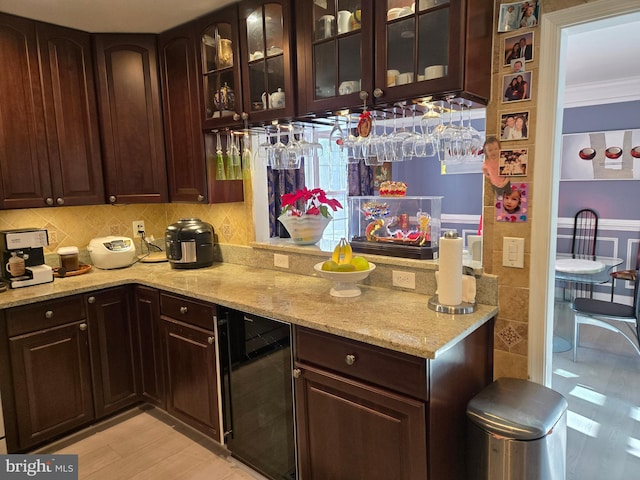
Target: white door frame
(554, 29)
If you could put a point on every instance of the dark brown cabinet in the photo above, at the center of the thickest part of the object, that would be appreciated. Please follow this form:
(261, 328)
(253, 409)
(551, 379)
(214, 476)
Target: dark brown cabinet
(49, 139)
(268, 59)
(191, 170)
(131, 118)
(113, 350)
(51, 370)
(219, 68)
(419, 49)
(190, 356)
(149, 343)
(392, 415)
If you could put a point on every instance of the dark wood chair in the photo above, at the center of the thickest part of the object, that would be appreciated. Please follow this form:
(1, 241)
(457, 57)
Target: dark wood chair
(630, 275)
(583, 244)
(608, 315)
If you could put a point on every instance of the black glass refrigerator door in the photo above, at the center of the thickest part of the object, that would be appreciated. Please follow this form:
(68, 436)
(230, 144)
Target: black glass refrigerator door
(257, 392)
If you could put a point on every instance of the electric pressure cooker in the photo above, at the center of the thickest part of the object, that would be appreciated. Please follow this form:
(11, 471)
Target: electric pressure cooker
(189, 243)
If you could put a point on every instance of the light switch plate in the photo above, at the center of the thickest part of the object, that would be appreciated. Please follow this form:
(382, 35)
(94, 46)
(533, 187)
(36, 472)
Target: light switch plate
(513, 252)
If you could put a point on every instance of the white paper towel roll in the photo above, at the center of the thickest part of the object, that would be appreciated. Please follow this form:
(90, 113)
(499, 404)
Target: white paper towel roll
(450, 271)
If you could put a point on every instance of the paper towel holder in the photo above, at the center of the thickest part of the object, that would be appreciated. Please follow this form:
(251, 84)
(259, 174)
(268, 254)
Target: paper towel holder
(463, 308)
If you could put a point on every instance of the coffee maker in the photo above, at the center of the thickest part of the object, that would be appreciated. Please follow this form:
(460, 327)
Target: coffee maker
(22, 252)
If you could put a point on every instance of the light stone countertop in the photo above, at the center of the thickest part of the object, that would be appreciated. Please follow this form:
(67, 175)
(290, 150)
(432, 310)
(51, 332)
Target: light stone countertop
(391, 319)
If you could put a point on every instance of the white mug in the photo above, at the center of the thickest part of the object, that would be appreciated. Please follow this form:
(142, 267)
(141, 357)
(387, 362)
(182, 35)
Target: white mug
(404, 78)
(344, 21)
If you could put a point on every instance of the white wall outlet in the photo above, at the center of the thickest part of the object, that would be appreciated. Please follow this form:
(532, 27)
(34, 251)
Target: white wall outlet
(513, 252)
(137, 226)
(281, 261)
(403, 279)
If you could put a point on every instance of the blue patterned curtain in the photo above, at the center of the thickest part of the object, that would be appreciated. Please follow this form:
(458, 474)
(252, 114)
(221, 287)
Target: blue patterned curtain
(280, 182)
(360, 179)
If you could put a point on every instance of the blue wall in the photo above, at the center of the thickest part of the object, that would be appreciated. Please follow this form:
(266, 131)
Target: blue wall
(462, 192)
(610, 198)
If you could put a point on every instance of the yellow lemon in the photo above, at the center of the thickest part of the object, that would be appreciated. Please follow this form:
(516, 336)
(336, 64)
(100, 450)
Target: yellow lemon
(360, 263)
(346, 267)
(329, 266)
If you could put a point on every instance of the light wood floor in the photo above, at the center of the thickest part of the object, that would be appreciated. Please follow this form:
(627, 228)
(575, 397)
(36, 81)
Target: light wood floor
(603, 391)
(145, 443)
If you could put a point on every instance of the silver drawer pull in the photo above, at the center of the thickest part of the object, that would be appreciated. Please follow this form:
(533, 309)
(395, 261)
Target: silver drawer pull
(350, 359)
(83, 327)
(91, 299)
(48, 314)
(183, 310)
(296, 373)
(210, 340)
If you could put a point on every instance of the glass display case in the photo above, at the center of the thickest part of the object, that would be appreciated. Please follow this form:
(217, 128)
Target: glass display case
(401, 226)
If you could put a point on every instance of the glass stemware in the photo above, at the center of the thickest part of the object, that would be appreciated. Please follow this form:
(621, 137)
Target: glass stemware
(336, 138)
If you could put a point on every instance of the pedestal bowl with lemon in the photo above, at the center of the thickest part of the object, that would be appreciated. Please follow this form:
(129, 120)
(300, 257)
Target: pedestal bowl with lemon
(344, 270)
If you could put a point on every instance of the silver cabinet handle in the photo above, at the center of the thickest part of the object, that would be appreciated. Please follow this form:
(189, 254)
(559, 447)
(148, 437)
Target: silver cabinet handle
(377, 93)
(350, 359)
(60, 201)
(296, 373)
(49, 201)
(112, 199)
(82, 327)
(48, 314)
(183, 310)
(210, 340)
(91, 299)
(200, 198)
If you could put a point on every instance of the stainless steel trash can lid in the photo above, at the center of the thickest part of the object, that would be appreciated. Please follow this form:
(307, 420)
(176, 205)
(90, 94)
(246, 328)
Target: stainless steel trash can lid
(517, 409)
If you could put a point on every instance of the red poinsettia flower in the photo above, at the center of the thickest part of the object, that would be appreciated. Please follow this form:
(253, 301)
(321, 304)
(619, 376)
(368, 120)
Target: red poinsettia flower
(312, 202)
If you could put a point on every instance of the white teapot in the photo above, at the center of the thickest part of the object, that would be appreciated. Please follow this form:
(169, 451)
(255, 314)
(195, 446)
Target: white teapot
(276, 99)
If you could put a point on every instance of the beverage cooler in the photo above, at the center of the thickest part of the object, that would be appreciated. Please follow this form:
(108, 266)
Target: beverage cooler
(257, 392)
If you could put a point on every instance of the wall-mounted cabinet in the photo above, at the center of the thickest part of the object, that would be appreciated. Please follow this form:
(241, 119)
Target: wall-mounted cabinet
(268, 70)
(131, 118)
(419, 49)
(49, 139)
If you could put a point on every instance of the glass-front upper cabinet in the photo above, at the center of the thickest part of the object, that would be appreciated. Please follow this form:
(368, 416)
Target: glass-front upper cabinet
(266, 48)
(433, 47)
(220, 68)
(337, 58)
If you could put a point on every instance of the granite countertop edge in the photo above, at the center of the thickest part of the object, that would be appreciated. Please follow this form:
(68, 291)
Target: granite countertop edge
(396, 320)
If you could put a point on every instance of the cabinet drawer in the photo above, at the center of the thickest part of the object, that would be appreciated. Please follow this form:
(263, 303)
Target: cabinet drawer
(187, 310)
(42, 315)
(386, 368)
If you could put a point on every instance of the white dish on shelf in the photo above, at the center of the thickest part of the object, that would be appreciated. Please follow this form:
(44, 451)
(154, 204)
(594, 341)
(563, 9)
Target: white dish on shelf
(344, 283)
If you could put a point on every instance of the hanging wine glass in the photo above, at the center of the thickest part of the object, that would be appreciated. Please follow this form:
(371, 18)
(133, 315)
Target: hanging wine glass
(277, 152)
(246, 155)
(476, 138)
(336, 138)
(293, 152)
(431, 123)
(409, 142)
(220, 173)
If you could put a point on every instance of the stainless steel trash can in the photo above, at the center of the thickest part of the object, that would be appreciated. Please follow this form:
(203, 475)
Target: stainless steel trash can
(517, 430)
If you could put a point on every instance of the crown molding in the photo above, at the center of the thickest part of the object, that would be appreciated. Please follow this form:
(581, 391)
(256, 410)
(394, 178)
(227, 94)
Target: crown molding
(598, 93)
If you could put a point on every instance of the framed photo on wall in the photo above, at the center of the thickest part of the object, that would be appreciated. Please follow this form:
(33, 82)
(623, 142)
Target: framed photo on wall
(514, 126)
(518, 46)
(513, 163)
(516, 87)
(513, 206)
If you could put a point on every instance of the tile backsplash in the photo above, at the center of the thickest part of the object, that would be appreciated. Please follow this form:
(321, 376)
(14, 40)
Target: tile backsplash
(232, 222)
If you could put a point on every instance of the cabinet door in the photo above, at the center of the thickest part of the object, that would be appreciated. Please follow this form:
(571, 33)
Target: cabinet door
(147, 317)
(220, 68)
(115, 361)
(335, 54)
(131, 118)
(52, 382)
(349, 430)
(266, 47)
(181, 103)
(24, 169)
(432, 47)
(192, 391)
(71, 116)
